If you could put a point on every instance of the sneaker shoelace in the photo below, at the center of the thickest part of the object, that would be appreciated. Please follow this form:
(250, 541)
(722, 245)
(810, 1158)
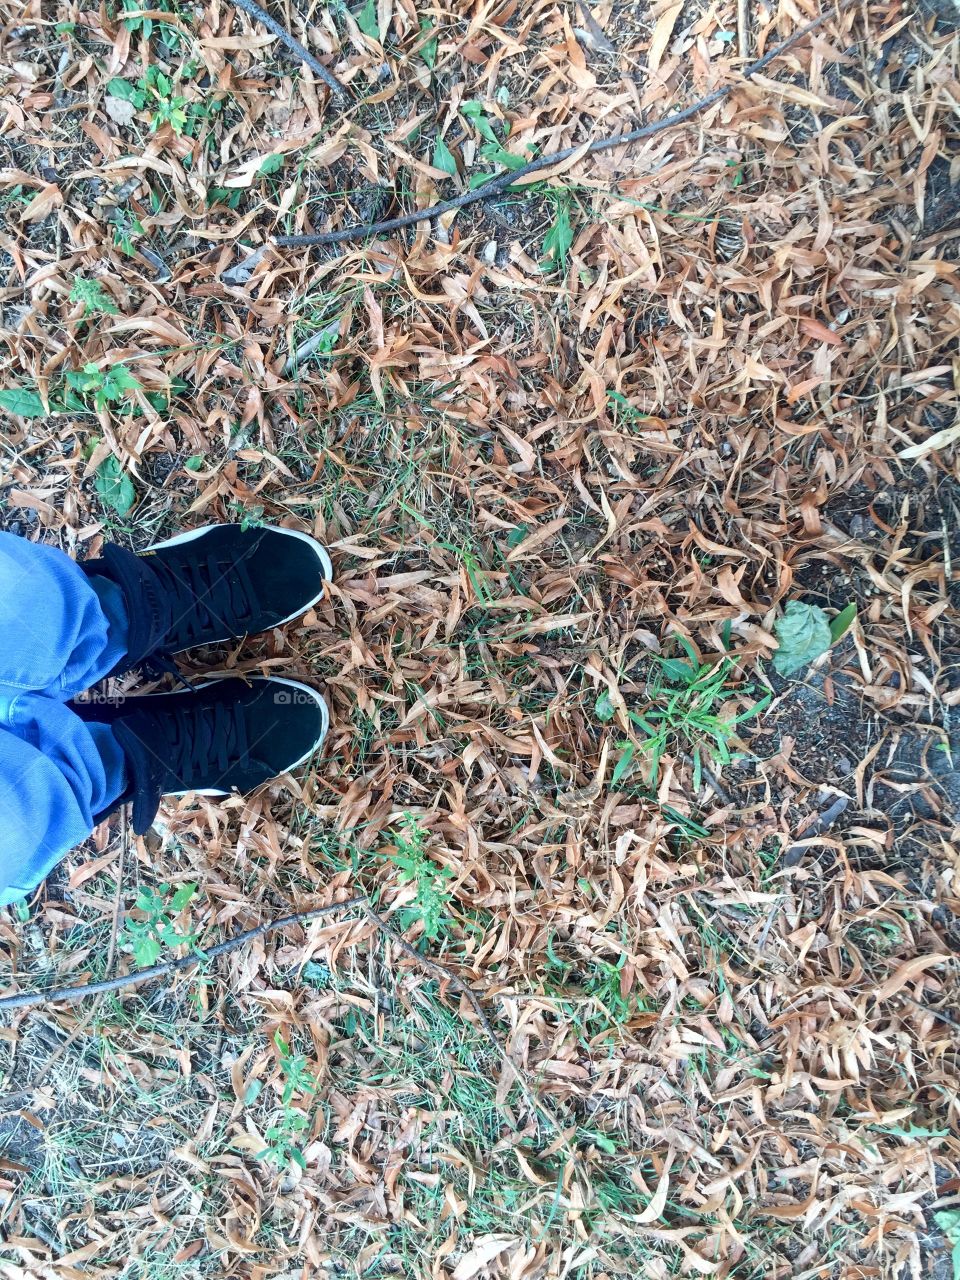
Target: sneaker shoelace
(205, 743)
(203, 594)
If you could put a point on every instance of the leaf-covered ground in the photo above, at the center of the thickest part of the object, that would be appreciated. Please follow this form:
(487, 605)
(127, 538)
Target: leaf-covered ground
(574, 450)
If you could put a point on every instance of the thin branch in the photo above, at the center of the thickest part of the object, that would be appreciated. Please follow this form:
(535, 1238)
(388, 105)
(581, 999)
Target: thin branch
(743, 28)
(935, 1013)
(118, 896)
(505, 180)
(821, 824)
(31, 999)
(712, 781)
(253, 10)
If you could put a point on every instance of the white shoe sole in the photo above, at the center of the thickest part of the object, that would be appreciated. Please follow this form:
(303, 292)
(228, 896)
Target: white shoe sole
(318, 549)
(291, 684)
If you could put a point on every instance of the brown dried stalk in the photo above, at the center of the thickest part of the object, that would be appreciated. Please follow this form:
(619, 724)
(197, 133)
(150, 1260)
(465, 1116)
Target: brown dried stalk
(496, 185)
(253, 10)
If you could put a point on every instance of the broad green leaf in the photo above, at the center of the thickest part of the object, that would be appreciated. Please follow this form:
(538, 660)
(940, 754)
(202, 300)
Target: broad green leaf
(428, 52)
(603, 707)
(842, 622)
(114, 486)
(913, 1131)
(23, 402)
(803, 633)
(123, 380)
(126, 91)
(623, 764)
(367, 20)
(182, 897)
(146, 950)
(605, 1144)
(270, 164)
(195, 463)
(677, 670)
(558, 240)
(493, 153)
(443, 158)
(476, 112)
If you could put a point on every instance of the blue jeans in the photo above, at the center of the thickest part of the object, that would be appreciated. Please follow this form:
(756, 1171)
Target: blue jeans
(60, 632)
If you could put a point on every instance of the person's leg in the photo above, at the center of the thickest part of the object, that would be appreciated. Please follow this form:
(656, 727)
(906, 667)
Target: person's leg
(57, 773)
(61, 629)
(65, 767)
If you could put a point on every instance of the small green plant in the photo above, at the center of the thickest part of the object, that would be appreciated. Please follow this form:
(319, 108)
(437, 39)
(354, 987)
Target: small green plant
(443, 158)
(126, 228)
(428, 50)
(685, 695)
(138, 21)
(429, 906)
(949, 1223)
(105, 385)
(250, 517)
(804, 633)
(623, 409)
(477, 114)
(96, 301)
(559, 239)
(289, 1123)
(590, 996)
(154, 93)
(157, 927)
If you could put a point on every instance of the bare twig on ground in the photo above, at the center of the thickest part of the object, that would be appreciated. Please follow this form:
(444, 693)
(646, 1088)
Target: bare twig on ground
(935, 1013)
(712, 781)
(31, 999)
(505, 180)
(743, 27)
(117, 897)
(823, 822)
(253, 10)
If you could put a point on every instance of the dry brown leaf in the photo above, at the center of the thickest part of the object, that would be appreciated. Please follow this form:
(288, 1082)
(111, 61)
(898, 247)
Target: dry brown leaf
(661, 36)
(908, 972)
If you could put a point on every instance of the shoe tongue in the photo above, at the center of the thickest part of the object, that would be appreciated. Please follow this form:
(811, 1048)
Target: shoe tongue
(143, 596)
(145, 771)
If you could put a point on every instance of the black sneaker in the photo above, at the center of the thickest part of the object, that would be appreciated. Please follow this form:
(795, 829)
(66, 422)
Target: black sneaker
(227, 735)
(218, 583)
